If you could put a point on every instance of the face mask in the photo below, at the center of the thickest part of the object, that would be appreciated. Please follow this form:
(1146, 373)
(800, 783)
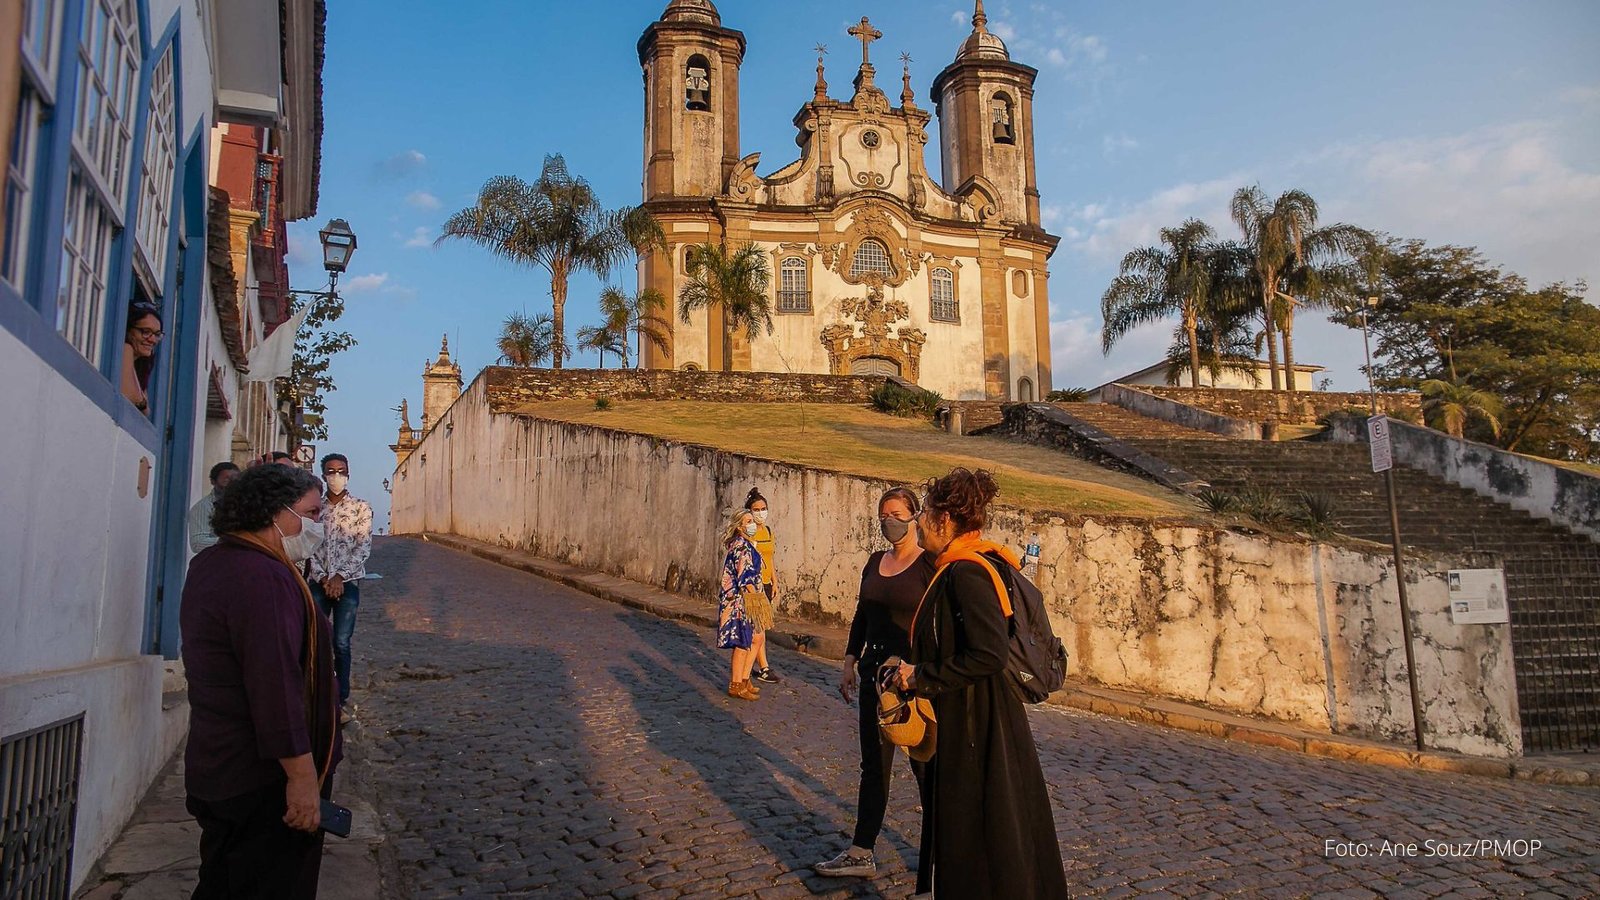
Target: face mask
(299, 547)
(750, 529)
(894, 530)
(337, 483)
(761, 516)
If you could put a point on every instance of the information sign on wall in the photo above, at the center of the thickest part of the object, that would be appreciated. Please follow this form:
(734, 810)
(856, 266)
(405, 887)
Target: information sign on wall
(1478, 597)
(1378, 441)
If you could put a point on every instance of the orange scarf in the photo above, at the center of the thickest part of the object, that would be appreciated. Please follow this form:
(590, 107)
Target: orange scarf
(969, 547)
(312, 632)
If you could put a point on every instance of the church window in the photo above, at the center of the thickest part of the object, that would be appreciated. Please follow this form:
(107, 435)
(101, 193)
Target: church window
(697, 84)
(1025, 390)
(872, 258)
(690, 367)
(1000, 119)
(942, 296)
(794, 296)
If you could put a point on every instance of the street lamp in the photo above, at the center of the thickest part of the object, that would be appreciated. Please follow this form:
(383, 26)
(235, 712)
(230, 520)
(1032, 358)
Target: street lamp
(338, 245)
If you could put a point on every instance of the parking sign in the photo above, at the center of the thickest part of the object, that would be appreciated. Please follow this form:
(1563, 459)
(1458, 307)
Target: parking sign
(1378, 442)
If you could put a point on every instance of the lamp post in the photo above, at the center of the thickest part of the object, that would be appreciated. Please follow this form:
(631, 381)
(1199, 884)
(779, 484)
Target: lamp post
(338, 245)
(1368, 304)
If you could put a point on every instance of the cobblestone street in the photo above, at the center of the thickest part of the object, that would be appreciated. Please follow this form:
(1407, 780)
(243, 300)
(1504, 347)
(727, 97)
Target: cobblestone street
(529, 740)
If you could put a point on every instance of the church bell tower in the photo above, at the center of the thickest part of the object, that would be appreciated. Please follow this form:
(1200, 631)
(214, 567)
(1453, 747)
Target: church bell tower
(985, 107)
(691, 85)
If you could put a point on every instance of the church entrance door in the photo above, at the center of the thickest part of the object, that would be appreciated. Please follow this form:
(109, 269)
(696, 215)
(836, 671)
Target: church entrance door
(874, 365)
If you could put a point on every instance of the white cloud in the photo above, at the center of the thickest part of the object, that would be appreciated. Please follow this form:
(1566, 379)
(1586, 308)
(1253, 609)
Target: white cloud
(362, 283)
(1004, 31)
(1518, 192)
(402, 164)
(1115, 144)
(400, 292)
(1050, 214)
(300, 251)
(1077, 361)
(422, 200)
(420, 237)
(1107, 236)
(960, 18)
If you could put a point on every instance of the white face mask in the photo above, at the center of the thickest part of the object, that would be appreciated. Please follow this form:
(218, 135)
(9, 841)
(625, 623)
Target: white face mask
(761, 516)
(299, 547)
(337, 483)
(750, 529)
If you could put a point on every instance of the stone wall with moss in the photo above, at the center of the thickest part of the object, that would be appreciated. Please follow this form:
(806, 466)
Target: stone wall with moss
(1298, 408)
(509, 388)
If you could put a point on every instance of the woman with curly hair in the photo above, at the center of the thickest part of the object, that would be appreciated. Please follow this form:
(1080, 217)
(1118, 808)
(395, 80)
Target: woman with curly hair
(743, 613)
(987, 829)
(263, 707)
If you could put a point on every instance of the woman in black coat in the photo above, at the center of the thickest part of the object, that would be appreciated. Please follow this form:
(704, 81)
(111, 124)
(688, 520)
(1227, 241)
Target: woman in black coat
(987, 829)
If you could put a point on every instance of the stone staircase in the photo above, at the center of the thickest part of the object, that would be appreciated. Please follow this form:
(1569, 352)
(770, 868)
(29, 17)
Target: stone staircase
(1552, 575)
(1121, 423)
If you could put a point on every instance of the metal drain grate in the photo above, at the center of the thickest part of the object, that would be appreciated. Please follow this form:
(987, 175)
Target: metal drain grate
(38, 810)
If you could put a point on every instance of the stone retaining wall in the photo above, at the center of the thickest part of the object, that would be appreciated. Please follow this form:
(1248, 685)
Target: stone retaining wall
(509, 388)
(1298, 408)
(1294, 631)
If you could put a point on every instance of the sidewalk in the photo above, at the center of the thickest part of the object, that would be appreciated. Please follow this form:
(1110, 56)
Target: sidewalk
(157, 855)
(828, 642)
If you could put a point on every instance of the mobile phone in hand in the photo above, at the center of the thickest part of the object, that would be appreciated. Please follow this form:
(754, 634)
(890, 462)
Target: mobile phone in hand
(335, 819)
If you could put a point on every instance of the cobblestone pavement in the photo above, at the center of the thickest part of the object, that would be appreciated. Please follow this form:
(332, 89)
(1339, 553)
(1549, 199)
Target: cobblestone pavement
(529, 740)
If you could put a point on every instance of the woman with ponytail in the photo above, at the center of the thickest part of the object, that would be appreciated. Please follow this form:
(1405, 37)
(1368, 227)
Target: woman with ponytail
(263, 705)
(892, 584)
(767, 546)
(987, 829)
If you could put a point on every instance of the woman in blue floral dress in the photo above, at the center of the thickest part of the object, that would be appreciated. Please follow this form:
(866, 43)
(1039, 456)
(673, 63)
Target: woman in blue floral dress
(742, 610)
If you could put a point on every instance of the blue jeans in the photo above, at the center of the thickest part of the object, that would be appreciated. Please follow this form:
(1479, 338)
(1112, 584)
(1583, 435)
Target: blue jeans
(343, 613)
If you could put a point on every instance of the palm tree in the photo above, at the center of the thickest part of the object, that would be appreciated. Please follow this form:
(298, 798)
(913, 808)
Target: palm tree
(556, 223)
(1227, 344)
(1451, 404)
(736, 283)
(639, 315)
(1328, 271)
(1275, 234)
(1156, 282)
(525, 341)
(610, 337)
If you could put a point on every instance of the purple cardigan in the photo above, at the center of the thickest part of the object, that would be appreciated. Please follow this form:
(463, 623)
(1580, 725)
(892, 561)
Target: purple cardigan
(244, 628)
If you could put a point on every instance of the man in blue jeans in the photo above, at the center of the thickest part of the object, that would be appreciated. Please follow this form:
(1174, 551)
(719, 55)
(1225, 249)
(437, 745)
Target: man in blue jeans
(339, 565)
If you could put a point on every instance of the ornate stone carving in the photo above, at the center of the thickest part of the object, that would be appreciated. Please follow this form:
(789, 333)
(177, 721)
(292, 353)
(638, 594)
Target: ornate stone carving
(877, 339)
(743, 183)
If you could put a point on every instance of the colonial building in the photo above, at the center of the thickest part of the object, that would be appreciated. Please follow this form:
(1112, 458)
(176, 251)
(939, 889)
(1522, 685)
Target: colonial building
(877, 267)
(119, 119)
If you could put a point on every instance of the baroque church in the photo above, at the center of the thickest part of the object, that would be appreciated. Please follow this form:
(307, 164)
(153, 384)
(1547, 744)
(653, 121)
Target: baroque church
(876, 267)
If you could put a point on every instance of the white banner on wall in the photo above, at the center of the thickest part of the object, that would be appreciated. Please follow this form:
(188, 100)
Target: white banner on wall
(1478, 597)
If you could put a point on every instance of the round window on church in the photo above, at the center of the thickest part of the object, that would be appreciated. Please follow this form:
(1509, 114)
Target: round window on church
(870, 139)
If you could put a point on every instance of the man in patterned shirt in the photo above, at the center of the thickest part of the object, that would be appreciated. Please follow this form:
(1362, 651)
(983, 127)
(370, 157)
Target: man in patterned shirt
(340, 563)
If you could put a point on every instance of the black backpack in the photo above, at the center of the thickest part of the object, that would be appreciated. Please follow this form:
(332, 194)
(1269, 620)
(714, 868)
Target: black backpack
(1037, 660)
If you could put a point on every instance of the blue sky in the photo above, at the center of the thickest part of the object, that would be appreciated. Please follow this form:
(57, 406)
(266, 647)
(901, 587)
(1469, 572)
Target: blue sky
(1454, 121)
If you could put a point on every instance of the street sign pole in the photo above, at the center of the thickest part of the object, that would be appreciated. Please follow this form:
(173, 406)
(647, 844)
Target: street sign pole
(1382, 448)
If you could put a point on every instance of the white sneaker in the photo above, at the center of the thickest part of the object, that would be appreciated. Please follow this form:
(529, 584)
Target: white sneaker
(852, 862)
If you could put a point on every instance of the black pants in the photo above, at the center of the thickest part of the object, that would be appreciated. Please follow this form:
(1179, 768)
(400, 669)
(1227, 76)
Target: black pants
(247, 853)
(877, 761)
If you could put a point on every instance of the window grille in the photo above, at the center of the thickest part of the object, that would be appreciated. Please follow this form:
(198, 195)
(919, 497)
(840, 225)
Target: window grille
(160, 165)
(942, 297)
(793, 294)
(871, 258)
(38, 809)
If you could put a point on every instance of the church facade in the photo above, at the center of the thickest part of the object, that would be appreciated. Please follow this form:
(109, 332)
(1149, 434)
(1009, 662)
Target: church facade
(876, 267)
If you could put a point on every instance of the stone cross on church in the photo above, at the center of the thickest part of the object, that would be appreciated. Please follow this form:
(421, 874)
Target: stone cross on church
(866, 34)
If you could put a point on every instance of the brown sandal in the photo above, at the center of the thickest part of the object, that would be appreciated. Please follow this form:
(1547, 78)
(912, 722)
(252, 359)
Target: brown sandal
(738, 691)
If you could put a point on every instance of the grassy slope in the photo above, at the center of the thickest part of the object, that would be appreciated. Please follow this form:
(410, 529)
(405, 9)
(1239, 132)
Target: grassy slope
(861, 441)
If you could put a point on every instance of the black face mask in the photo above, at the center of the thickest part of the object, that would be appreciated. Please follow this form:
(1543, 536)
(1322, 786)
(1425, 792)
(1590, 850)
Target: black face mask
(893, 529)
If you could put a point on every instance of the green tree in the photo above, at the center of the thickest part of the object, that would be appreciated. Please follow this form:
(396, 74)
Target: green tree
(526, 341)
(639, 318)
(309, 382)
(1275, 233)
(734, 282)
(1448, 405)
(1157, 282)
(558, 224)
